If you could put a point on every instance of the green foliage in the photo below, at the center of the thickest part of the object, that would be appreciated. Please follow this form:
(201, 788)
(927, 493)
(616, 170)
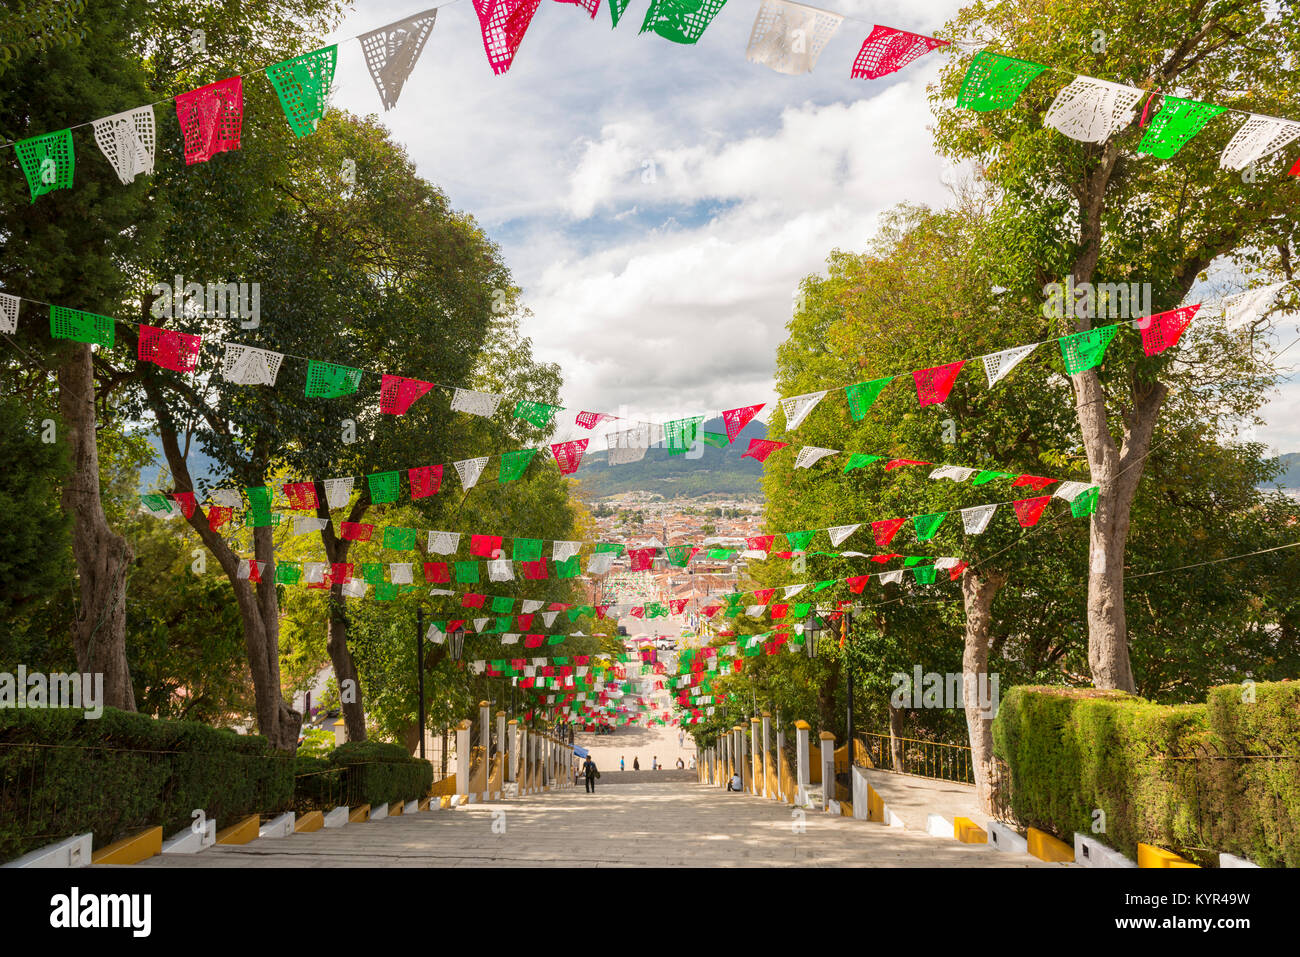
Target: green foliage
(124, 771)
(1185, 777)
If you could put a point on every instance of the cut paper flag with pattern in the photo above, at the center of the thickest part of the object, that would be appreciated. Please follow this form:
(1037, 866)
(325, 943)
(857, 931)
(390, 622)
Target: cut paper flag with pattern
(397, 393)
(995, 82)
(538, 413)
(958, 473)
(862, 395)
(211, 119)
(1086, 350)
(469, 471)
(976, 519)
(616, 8)
(338, 491)
(504, 23)
(860, 460)
(1071, 490)
(1245, 308)
(760, 449)
(514, 464)
(8, 313)
(1176, 122)
(797, 407)
(1163, 330)
(1091, 110)
(682, 21)
(789, 37)
(568, 455)
(300, 495)
(589, 420)
(1258, 137)
(933, 385)
(839, 533)
(325, 380)
(443, 543)
(244, 365)
(680, 434)
(391, 52)
(735, 420)
(81, 326)
(303, 84)
(475, 403)
(425, 480)
(169, 349)
(886, 50)
(1029, 510)
(630, 445)
(127, 142)
(383, 487)
(47, 162)
(810, 455)
(927, 525)
(997, 365)
(885, 530)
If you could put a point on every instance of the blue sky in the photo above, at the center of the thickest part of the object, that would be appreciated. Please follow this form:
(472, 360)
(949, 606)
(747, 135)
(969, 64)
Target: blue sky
(659, 203)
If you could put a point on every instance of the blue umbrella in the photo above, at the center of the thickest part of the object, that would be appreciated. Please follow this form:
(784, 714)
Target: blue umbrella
(580, 752)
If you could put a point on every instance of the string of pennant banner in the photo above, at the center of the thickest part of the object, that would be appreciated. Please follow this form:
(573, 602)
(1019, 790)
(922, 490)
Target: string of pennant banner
(786, 36)
(975, 521)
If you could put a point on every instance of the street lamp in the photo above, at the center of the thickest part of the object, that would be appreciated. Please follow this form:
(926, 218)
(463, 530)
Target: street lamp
(811, 632)
(456, 642)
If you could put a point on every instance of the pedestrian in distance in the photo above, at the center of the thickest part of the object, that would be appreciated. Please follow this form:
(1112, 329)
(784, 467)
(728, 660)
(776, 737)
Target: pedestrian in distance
(636, 763)
(735, 784)
(590, 773)
(621, 765)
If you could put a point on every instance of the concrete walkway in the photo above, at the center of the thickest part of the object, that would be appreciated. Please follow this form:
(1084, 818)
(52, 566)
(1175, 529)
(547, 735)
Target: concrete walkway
(626, 826)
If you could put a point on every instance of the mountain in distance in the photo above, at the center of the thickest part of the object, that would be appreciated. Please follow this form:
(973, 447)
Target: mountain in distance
(1289, 477)
(717, 472)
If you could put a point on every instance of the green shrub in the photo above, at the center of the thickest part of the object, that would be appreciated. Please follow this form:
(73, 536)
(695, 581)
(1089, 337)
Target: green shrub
(1170, 776)
(381, 773)
(61, 774)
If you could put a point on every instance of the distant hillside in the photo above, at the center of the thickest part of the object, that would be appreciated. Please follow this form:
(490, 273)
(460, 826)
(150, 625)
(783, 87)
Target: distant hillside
(1290, 475)
(202, 467)
(718, 471)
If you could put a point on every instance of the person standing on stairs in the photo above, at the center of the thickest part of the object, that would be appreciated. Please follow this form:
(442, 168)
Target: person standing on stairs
(590, 773)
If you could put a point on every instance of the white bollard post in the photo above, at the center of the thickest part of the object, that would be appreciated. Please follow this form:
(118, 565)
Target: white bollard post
(828, 769)
(512, 752)
(462, 759)
(804, 770)
(780, 753)
(769, 788)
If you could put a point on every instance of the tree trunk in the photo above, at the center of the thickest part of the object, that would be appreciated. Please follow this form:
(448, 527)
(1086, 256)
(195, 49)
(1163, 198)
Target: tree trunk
(978, 591)
(259, 606)
(103, 556)
(896, 737)
(345, 669)
(1117, 470)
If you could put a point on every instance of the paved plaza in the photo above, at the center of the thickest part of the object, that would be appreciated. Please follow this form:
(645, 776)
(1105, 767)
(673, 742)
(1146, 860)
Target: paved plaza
(631, 825)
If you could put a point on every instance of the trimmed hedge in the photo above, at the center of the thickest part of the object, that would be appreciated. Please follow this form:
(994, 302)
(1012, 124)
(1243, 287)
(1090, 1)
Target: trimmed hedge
(363, 772)
(1170, 776)
(61, 774)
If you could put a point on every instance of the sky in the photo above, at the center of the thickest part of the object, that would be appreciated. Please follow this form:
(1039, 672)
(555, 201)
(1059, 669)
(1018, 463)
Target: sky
(659, 203)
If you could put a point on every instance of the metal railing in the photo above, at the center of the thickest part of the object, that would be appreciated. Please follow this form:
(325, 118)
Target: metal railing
(926, 759)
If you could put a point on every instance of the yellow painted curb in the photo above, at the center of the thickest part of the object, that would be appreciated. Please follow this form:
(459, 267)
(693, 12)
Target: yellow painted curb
(875, 806)
(243, 832)
(423, 805)
(311, 821)
(395, 808)
(1151, 856)
(968, 832)
(1047, 848)
(444, 801)
(130, 850)
(846, 809)
(359, 815)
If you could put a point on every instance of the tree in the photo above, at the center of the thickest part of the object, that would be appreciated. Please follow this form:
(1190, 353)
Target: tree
(1104, 213)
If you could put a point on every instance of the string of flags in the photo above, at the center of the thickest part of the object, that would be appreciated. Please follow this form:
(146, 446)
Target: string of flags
(528, 552)
(248, 365)
(786, 36)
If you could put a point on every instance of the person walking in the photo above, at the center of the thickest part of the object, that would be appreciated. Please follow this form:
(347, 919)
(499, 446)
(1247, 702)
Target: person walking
(636, 763)
(654, 763)
(621, 765)
(590, 773)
